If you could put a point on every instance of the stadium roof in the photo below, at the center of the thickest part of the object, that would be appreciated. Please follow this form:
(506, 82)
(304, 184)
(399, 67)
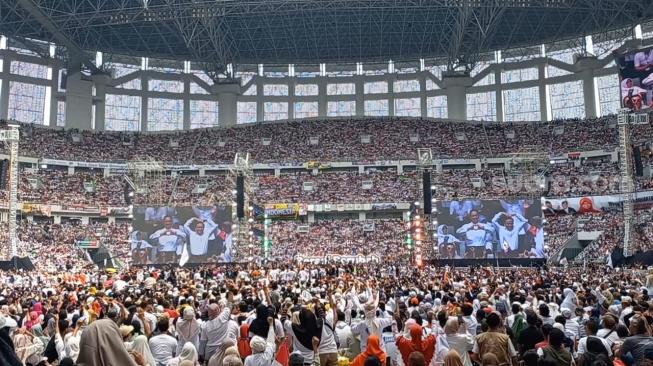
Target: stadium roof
(219, 32)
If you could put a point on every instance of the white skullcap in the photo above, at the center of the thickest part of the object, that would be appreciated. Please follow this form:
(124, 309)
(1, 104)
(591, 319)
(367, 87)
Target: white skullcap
(257, 344)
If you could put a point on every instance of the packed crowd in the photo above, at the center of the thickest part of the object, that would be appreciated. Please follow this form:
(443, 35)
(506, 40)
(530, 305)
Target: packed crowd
(40, 242)
(54, 186)
(339, 140)
(340, 237)
(315, 314)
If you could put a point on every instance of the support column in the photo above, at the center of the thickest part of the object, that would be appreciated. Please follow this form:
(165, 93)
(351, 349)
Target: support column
(54, 88)
(227, 108)
(4, 88)
(391, 94)
(100, 105)
(260, 105)
(360, 95)
(589, 93)
(423, 101)
(456, 88)
(79, 102)
(457, 102)
(291, 98)
(145, 85)
(543, 90)
(322, 97)
(499, 97)
(186, 114)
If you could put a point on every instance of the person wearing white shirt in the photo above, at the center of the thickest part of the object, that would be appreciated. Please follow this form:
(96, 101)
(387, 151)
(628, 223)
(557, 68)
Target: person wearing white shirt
(476, 236)
(328, 348)
(363, 328)
(461, 342)
(163, 346)
(516, 309)
(274, 274)
(591, 329)
(460, 210)
(262, 349)
(198, 239)
(626, 308)
(216, 329)
(470, 323)
(343, 330)
(169, 239)
(391, 349)
(155, 214)
(572, 328)
(607, 331)
(644, 64)
(303, 275)
(508, 232)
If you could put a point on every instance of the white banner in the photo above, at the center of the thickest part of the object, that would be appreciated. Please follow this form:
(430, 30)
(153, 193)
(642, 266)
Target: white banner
(594, 204)
(338, 258)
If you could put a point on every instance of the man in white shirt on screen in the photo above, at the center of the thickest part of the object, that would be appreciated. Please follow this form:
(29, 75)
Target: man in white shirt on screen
(508, 232)
(198, 239)
(644, 64)
(170, 241)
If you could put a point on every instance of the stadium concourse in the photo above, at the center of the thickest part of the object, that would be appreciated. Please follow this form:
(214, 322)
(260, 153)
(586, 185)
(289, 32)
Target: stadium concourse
(63, 266)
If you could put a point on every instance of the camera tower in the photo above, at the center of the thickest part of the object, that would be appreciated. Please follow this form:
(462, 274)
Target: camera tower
(11, 137)
(625, 119)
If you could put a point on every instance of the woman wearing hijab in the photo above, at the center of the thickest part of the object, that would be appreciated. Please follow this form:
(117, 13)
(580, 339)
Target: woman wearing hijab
(141, 345)
(188, 330)
(373, 349)
(452, 358)
(33, 319)
(102, 346)
(228, 345)
(461, 343)
(243, 341)
(303, 329)
(260, 326)
(188, 353)
(37, 330)
(448, 242)
(585, 205)
(416, 343)
(28, 348)
(490, 359)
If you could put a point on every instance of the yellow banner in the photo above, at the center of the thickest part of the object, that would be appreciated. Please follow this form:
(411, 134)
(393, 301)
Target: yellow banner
(31, 207)
(37, 209)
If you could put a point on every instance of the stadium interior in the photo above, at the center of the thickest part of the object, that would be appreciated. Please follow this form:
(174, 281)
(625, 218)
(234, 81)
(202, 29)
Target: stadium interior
(316, 149)
(326, 183)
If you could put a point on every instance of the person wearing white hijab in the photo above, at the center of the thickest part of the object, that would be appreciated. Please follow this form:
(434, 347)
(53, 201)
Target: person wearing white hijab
(570, 300)
(372, 324)
(141, 345)
(188, 353)
(188, 329)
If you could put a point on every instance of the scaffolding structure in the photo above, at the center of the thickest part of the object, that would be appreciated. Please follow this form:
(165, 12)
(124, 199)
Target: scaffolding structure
(526, 177)
(424, 164)
(12, 137)
(625, 119)
(147, 178)
(243, 240)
